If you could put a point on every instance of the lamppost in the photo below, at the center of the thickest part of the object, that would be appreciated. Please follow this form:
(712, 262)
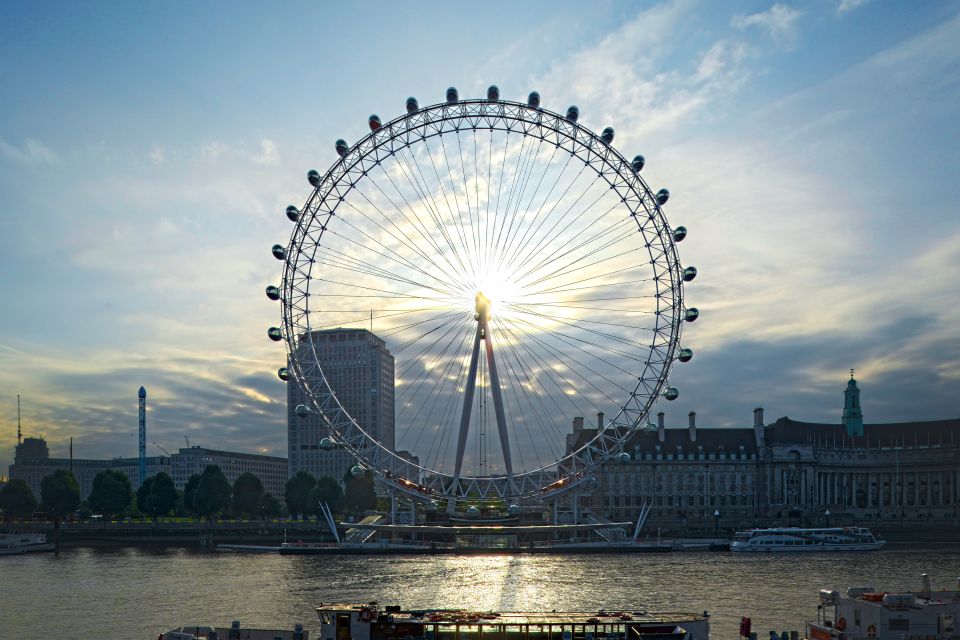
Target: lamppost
(716, 523)
(826, 514)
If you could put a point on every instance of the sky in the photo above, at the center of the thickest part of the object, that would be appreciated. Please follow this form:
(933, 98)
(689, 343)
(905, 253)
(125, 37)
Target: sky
(147, 153)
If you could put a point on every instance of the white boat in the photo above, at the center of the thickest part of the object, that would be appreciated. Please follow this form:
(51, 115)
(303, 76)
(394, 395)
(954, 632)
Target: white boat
(17, 543)
(870, 614)
(235, 631)
(789, 539)
(373, 622)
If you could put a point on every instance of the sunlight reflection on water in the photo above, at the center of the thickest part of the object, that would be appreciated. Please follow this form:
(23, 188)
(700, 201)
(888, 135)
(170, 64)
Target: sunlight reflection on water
(141, 592)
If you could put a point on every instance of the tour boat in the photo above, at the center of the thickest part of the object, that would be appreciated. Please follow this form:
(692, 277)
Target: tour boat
(797, 539)
(16, 543)
(868, 613)
(372, 622)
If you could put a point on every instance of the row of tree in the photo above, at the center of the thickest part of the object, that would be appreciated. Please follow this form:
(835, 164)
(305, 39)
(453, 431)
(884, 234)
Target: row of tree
(207, 494)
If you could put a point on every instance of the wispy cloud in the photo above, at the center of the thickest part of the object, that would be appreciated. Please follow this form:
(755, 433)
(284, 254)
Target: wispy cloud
(846, 6)
(31, 153)
(779, 22)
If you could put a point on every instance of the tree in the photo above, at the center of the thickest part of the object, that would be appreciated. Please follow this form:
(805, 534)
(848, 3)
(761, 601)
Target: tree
(190, 490)
(297, 493)
(111, 493)
(143, 493)
(327, 490)
(163, 496)
(247, 493)
(270, 507)
(213, 492)
(16, 500)
(359, 495)
(59, 494)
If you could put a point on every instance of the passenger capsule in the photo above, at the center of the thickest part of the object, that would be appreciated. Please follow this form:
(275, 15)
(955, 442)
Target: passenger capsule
(313, 177)
(293, 214)
(357, 471)
(341, 147)
(651, 427)
(326, 444)
(689, 274)
(679, 233)
(302, 411)
(452, 95)
(533, 100)
(283, 373)
(685, 355)
(374, 122)
(273, 292)
(473, 511)
(513, 509)
(624, 457)
(691, 314)
(412, 105)
(638, 162)
(607, 135)
(433, 505)
(275, 334)
(671, 393)
(279, 252)
(662, 196)
(573, 112)
(493, 93)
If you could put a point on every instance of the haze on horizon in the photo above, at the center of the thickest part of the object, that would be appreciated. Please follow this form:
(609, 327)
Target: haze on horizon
(149, 154)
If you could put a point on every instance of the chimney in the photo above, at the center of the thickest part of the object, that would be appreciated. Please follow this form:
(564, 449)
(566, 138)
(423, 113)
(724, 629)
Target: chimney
(661, 429)
(578, 424)
(692, 416)
(758, 426)
(600, 421)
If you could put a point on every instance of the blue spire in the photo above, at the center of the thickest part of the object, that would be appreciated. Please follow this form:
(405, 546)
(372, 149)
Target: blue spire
(852, 413)
(142, 393)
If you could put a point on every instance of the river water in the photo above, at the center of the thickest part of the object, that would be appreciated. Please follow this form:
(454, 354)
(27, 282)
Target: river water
(137, 593)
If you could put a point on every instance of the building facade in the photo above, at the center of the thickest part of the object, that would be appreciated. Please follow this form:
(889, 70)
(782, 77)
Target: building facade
(32, 463)
(788, 471)
(360, 369)
(271, 470)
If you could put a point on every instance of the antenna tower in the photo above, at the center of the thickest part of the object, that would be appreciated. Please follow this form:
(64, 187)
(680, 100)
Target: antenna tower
(143, 434)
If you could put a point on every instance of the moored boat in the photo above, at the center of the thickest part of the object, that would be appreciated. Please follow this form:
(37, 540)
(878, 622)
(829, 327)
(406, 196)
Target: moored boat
(789, 539)
(867, 613)
(17, 543)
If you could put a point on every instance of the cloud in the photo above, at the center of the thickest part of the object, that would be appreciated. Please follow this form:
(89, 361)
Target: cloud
(32, 153)
(779, 21)
(847, 6)
(269, 153)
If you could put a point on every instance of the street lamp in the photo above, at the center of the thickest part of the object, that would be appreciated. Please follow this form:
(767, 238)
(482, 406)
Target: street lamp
(827, 516)
(716, 523)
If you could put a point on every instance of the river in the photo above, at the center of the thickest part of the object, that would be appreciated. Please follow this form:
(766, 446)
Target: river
(136, 593)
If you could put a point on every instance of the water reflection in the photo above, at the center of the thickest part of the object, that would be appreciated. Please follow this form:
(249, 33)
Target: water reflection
(144, 591)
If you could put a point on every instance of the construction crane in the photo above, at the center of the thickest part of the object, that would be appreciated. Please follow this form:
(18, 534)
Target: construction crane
(187, 438)
(161, 449)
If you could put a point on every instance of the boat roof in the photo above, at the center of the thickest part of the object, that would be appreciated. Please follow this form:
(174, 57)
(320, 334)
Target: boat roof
(471, 617)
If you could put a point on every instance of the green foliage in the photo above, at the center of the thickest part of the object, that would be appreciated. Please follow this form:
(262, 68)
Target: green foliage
(297, 493)
(143, 493)
(59, 494)
(359, 495)
(162, 497)
(213, 492)
(111, 493)
(247, 493)
(326, 490)
(190, 490)
(270, 507)
(16, 500)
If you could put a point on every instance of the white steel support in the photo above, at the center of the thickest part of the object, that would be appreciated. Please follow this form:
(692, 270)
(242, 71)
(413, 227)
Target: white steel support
(483, 333)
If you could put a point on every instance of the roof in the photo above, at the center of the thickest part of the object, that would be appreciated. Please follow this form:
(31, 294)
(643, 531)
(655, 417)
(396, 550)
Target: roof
(932, 432)
(727, 439)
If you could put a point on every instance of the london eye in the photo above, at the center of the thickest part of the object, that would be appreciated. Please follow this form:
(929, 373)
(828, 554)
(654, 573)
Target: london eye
(521, 272)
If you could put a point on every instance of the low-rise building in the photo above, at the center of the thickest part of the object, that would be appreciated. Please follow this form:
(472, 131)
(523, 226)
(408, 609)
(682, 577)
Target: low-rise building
(272, 470)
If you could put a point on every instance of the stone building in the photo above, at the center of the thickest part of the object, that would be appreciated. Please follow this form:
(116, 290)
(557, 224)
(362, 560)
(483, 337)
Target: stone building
(785, 472)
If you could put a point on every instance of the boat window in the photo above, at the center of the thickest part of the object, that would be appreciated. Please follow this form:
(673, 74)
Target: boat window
(856, 617)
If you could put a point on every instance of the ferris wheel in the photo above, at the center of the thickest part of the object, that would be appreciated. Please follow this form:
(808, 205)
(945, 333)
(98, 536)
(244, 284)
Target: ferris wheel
(519, 271)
